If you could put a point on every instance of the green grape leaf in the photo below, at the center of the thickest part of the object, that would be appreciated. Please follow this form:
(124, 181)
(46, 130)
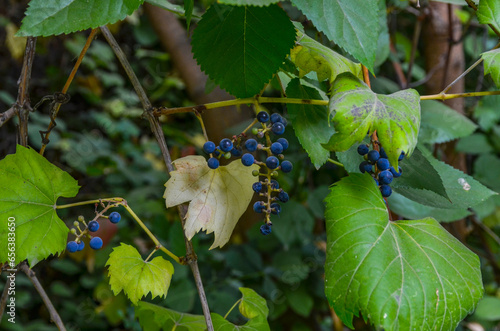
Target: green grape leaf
(218, 197)
(359, 111)
(418, 173)
(252, 304)
(351, 24)
(400, 275)
(463, 191)
(240, 48)
(492, 65)
(255, 324)
(154, 318)
(53, 17)
(136, 277)
(29, 188)
(259, 3)
(309, 55)
(441, 124)
(310, 122)
(488, 12)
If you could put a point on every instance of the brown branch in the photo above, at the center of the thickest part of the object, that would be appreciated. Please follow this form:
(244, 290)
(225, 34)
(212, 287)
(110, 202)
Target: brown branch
(3, 299)
(54, 316)
(22, 106)
(7, 115)
(191, 257)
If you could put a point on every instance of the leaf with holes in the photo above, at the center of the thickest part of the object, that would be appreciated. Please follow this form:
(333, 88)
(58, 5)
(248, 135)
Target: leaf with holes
(359, 111)
(492, 65)
(402, 275)
(217, 197)
(29, 188)
(136, 277)
(240, 48)
(53, 17)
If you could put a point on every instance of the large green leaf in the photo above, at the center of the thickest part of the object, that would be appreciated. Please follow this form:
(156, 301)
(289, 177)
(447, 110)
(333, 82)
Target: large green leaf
(310, 122)
(136, 277)
(488, 12)
(29, 188)
(53, 17)
(359, 111)
(400, 275)
(309, 55)
(240, 48)
(155, 318)
(492, 65)
(440, 123)
(351, 24)
(463, 191)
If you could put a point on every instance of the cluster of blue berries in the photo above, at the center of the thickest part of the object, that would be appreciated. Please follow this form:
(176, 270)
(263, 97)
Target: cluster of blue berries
(95, 241)
(266, 187)
(377, 164)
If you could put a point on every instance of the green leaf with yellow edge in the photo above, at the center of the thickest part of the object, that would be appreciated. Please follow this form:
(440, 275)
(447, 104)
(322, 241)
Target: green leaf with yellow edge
(29, 188)
(359, 111)
(492, 65)
(403, 275)
(488, 12)
(136, 277)
(154, 318)
(218, 197)
(309, 55)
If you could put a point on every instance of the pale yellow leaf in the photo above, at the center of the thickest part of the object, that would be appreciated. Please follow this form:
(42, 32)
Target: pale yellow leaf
(218, 197)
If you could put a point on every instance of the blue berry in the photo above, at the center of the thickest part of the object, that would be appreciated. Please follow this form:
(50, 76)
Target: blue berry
(274, 184)
(93, 226)
(247, 159)
(275, 208)
(257, 187)
(81, 246)
(383, 164)
(275, 118)
(213, 163)
(95, 243)
(363, 149)
(72, 246)
(226, 145)
(251, 145)
(394, 173)
(383, 153)
(115, 217)
(385, 190)
(263, 117)
(286, 166)
(276, 148)
(272, 162)
(283, 196)
(265, 229)
(283, 143)
(385, 177)
(217, 151)
(259, 206)
(236, 152)
(401, 156)
(278, 128)
(365, 166)
(373, 156)
(209, 147)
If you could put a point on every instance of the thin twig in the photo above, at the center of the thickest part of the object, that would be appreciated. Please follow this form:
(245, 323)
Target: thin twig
(54, 316)
(191, 258)
(414, 44)
(443, 96)
(7, 115)
(3, 299)
(56, 105)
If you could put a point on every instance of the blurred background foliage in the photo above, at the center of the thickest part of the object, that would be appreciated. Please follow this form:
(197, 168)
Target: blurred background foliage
(103, 142)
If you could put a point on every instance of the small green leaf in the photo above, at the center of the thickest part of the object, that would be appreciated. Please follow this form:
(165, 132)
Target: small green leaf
(29, 188)
(153, 317)
(400, 275)
(188, 7)
(441, 124)
(217, 197)
(359, 111)
(486, 112)
(488, 12)
(488, 309)
(240, 48)
(492, 65)
(299, 224)
(168, 6)
(300, 301)
(252, 304)
(255, 324)
(136, 277)
(477, 143)
(310, 122)
(309, 55)
(258, 3)
(53, 17)
(483, 171)
(351, 24)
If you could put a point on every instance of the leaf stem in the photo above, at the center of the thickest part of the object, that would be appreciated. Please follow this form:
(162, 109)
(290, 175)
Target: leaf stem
(150, 254)
(335, 162)
(231, 309)
(89, 202)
